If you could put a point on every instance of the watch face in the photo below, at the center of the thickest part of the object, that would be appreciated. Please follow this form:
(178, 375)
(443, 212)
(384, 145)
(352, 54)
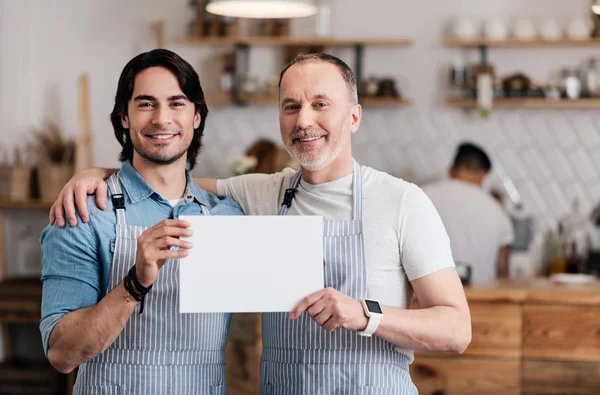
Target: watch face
(373, 306)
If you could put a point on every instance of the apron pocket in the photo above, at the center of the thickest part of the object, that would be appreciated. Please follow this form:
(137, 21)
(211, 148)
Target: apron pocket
(218, 390)
(99, 390)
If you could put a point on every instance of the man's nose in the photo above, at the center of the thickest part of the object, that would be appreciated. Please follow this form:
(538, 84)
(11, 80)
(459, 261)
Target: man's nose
(162, 116)
(306, 118)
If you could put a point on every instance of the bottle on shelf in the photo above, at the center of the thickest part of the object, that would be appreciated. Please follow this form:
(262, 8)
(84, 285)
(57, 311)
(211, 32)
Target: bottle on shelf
(458, 80)
(574, 261)
(558, 262)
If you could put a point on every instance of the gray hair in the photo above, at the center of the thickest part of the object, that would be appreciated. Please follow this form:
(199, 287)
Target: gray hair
(344, 69)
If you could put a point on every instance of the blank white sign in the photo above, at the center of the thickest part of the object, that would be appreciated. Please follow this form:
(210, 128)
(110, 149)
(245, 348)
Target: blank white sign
(251, 263)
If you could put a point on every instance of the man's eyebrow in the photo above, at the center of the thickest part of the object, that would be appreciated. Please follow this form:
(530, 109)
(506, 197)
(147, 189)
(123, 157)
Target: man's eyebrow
(177, 97)
(144, 97)
(286, 100)
(152, 98)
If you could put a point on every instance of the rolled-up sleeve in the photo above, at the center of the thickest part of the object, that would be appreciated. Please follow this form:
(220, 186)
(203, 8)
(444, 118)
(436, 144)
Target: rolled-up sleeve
(70, 273)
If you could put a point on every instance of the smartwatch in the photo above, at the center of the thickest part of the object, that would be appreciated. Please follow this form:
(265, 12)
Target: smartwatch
(374, 313)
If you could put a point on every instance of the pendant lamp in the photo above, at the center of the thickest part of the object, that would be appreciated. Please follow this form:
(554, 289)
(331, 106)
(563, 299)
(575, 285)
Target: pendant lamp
(262, 8)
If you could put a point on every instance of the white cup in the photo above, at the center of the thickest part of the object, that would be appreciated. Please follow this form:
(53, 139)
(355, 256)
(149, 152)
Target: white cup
(579, 28)
(464, 28)
(550, 29)
(524, 29)
(496, 30)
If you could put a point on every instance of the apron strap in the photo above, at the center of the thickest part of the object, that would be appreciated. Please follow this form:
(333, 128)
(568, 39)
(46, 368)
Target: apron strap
(356, 192)
(118, 200)
(290, 192)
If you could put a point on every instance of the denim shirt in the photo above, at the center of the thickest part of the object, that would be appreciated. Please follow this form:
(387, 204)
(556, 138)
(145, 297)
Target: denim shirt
(77, 261)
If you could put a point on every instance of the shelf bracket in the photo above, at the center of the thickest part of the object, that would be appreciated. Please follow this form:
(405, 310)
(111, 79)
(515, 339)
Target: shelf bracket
(483, 56)
(241, 60)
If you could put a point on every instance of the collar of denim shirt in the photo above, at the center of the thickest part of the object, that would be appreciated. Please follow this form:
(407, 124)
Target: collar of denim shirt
(138, 189)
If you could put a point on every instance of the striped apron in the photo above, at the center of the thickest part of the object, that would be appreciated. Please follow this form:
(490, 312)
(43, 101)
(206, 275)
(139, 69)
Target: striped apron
(160, 351)
(300, 357)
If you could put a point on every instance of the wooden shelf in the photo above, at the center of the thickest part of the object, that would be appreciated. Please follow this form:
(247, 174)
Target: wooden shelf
(20, 301)
(30, 204)
(516, 43)
(227, 99)
(529, 103)
(295, 41)
(383, 101)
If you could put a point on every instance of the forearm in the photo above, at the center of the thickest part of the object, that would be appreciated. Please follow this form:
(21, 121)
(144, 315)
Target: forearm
(83, 334)
(438, 328)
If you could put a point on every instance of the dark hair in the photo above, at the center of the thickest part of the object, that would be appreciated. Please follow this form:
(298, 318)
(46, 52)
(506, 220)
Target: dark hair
(344, 69)
(189, 82)
(470, 156)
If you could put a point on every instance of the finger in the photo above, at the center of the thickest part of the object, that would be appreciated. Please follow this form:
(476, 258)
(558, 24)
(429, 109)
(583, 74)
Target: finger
(101, 195)
(306, 303)
(60, 212)
(323, 317)
(178, 223)
(331, 324)
(81, 199)
(51, 216)
(169, 231)
(168, 242)
(166, 254)
(69, 206)
(317, 307)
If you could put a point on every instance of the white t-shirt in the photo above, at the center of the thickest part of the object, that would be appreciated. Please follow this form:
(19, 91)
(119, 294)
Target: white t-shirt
(476, 224)
(403, 234)
(175, 202)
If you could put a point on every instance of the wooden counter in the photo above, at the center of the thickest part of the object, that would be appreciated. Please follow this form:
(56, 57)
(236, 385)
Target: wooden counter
(529, 337)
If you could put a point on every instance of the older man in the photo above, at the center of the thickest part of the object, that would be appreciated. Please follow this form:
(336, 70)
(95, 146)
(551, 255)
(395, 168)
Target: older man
(383, 241)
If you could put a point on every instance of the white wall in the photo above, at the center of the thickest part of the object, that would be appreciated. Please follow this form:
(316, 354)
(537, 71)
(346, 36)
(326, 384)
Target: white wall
(552, 156)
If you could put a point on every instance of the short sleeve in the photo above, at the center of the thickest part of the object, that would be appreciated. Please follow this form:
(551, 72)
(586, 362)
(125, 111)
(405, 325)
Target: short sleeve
(257, 194)
(423, 241)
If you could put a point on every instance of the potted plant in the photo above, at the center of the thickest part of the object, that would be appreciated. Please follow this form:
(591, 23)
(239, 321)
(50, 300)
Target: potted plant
(55, 161)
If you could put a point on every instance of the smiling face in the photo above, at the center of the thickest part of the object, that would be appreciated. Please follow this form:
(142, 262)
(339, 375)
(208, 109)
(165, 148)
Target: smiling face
(160, 118)
(317, 116)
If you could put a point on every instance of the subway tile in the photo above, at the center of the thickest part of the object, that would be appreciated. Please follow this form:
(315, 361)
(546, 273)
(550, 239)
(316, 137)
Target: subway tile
(587, 131)
(585, 169)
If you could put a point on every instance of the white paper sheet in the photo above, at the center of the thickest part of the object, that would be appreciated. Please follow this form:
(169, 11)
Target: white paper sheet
(251, 263)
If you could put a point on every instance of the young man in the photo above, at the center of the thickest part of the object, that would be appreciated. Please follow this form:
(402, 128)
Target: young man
(383, 240)
(479, 229)
(95, 274)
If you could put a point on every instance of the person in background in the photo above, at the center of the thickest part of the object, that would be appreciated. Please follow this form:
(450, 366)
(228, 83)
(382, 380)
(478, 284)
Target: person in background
(383, 243)
(480, 231)
(110, 302)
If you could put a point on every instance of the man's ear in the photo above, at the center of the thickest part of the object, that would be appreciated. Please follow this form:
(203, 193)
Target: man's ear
(125, 122)
(197, 120)
(356, 117)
